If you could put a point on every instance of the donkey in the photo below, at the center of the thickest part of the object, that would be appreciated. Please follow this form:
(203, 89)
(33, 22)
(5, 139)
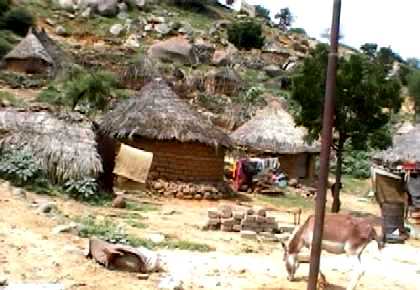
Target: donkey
(343, 234)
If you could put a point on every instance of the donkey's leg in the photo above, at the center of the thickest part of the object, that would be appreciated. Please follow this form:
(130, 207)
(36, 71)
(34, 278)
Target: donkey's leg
(356, 273)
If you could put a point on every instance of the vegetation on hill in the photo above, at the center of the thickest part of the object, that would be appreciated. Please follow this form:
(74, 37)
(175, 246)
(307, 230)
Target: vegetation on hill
(246, 34)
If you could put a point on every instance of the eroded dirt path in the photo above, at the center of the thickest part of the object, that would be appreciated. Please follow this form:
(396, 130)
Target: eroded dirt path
(31, 253)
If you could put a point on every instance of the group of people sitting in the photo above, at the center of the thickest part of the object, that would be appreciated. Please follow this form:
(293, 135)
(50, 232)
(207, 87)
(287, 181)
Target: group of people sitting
(247, 171)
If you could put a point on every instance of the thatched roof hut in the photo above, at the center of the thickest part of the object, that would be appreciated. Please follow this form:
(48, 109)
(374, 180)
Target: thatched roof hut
(406, 148)
(158, 113)
(30, 47)
(185, 146)
(63, 144)
(37, 53)
(273, 130)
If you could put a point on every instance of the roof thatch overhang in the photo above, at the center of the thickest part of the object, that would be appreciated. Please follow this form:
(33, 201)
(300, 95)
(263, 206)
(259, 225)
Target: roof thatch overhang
(157, 113)
(63, 144)
(273, 130)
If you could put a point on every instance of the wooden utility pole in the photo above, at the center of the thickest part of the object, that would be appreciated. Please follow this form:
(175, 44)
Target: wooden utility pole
(327, 128)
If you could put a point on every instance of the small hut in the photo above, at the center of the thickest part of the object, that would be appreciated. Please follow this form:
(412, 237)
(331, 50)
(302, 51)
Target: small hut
(63, 144)
(37, 53)
(185, 146)
(272, 132)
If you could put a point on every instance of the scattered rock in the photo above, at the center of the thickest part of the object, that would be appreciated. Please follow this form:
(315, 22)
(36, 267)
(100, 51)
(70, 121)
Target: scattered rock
(46, 207)
(19, 192)
(221, 57)
(60, 30)
(122, 7)
(286, 229)
(86, 13)
(143, 276)
(202, 52)
(133, 41)
(273, 70)
(116, 29)
(148, 27)
(187, 29)
(108, 8)
(156, 238)
(163, 29)
(119, 202)
(50, 21)
(293, 182)
(123, 15)
(67, 5)
(140, 3)
(176, 49)
(70, 228)
(225, 211)
(171, 283)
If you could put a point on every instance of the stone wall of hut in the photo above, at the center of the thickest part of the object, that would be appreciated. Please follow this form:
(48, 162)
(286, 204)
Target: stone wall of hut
(30, 66)
(189, 162)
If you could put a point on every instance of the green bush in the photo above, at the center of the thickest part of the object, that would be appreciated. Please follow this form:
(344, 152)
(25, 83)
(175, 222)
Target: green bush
(105, 230)
(298, 30)
(84, 189)
(263, 12)
(355, 164)
(246, 35)
(90, 91)
(4, 6)
(18, 20)
(5, 47)
(19, 167)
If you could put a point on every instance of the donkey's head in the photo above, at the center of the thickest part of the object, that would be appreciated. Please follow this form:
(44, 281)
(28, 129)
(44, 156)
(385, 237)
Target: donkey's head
(291, 262)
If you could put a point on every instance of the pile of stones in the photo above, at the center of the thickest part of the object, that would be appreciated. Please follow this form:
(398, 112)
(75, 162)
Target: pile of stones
(248, 221)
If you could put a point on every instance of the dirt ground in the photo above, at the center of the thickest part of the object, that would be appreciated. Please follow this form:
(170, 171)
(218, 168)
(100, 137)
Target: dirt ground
(32, 253)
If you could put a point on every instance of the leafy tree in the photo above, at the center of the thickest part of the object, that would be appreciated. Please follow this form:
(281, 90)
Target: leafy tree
(414, 90)
(246, 35)
(365, 98)
(262, 12)
(4, 6)
(369, 49)
(298, 30)
(18, 20)
(285, 18)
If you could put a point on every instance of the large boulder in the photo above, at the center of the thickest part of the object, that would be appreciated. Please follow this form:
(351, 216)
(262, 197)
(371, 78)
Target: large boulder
(273, 70)
(108, 8)
(68, 5)
(175, 49)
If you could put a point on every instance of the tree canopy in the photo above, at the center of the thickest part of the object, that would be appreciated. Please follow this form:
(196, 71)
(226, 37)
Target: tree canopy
(366, 96)
(285, 18)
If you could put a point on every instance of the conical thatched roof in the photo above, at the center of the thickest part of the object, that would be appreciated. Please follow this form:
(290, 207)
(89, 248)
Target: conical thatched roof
(406, 148)
(63, 144)
(158, 113)
(273, 130)
(30, 47)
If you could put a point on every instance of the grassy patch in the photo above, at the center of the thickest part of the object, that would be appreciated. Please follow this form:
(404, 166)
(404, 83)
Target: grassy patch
(109, 231)
(144, 207)
(11, 100)
(288, 201)
(355, 186)
(135, 224)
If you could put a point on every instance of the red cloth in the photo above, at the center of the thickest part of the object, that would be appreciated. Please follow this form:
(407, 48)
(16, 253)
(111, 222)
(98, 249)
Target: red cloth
(240, 176)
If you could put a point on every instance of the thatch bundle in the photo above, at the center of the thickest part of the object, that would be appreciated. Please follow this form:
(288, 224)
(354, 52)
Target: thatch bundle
(158, 113)
(273, 130)
(406, 148)
(62, 144)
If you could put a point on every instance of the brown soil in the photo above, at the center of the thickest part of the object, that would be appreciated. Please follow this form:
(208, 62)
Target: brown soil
(31, 253)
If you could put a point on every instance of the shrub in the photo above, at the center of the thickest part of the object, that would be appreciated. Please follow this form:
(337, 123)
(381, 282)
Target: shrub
(18, 20)
(19, 167)
(246, 35)
(9, 99)
(263, 12)
(298, 30)
(4, 6)
(83, 189)
(5, 47)
(355, 164)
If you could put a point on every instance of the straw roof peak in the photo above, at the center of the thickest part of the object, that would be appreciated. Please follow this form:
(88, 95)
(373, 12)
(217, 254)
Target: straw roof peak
(156, 112)
(30, 47)
(273, 130)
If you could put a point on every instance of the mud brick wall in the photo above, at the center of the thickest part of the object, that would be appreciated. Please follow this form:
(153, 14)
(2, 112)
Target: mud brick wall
(191, 162)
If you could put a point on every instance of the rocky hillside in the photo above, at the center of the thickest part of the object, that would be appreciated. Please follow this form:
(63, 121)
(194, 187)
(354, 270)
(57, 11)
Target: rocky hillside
(141, 39)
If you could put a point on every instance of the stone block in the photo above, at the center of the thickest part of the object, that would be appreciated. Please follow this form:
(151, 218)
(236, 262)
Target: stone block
(250, 235)
(228, 222)
(225, 211)
(250, 219)
(226, 228)
(213, 214)
(260, 219)
(250, 211)
(270, 220)
(260, 211)
(238, 215)
(236, 228)
(213, 221)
